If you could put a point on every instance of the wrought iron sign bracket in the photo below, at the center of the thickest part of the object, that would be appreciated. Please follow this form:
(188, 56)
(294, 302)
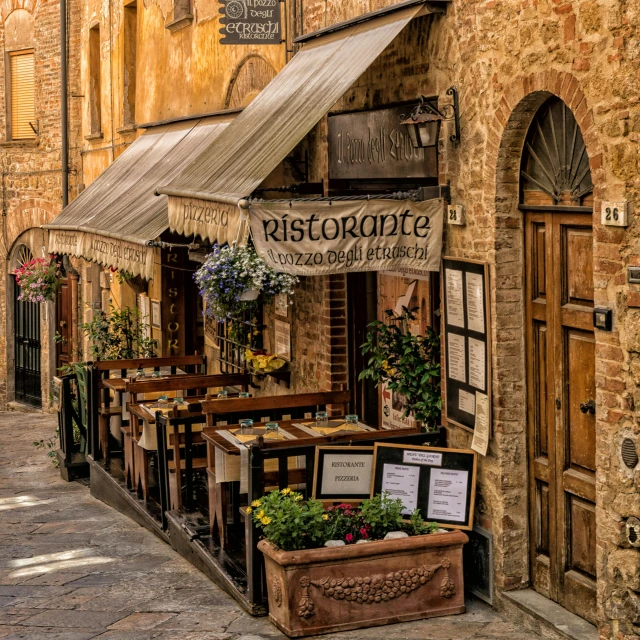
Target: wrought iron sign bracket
(448, 112)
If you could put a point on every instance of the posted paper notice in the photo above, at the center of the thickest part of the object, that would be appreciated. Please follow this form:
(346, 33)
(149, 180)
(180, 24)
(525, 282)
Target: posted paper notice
(482, 428)
(455, 309)
(475, 303)
(476, 364)
(402, 482)
(448, 495)
(456, 357)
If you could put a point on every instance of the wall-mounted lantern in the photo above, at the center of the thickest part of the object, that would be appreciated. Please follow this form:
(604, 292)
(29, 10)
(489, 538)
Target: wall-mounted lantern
(423, 125)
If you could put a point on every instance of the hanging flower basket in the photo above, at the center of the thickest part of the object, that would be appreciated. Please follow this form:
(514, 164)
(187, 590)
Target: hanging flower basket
(232, 278)
(38, 279)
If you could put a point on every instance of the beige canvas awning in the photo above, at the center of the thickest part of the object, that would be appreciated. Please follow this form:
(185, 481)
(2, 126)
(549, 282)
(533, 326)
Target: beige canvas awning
(278, 119)
(114, 218)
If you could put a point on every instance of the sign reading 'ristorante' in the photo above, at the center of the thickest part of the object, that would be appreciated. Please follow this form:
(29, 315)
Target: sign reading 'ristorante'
(315, 238)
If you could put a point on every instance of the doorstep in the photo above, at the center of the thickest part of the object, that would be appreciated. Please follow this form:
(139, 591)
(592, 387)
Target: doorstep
(550, 616)
(22, 407)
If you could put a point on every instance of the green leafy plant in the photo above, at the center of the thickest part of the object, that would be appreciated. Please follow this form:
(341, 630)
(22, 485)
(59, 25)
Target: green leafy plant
(410, 364)
(50, 445)
(118, 335)
(383, 514)
(418, 527)
(288, 522)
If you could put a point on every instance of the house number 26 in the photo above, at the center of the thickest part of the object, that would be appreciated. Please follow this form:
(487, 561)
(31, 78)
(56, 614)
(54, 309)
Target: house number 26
(614, 214)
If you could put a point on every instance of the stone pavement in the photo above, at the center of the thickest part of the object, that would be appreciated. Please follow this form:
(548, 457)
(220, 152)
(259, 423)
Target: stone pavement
(72, 568)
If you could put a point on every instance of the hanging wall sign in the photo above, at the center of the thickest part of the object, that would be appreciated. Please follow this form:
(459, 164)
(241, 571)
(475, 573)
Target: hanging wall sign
(373, 144)
(250, 21)
(467, 344)
(317, 238)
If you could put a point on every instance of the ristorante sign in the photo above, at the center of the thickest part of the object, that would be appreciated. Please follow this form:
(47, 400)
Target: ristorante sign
(315, 238)
(135, 258)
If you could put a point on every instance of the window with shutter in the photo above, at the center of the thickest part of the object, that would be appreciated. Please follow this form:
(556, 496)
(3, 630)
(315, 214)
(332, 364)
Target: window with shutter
(23, 110)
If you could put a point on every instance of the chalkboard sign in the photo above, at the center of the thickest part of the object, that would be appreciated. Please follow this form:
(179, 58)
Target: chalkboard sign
(439, 482)
(467, 343)
(250, 21)
(343, 474)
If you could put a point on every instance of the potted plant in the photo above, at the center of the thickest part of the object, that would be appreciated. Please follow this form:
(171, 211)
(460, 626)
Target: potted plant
(232, 277)
(409, 364)
(333, 570)
(38, 279)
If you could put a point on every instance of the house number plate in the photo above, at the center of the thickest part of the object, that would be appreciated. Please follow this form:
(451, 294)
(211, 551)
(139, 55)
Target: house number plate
(614, 214)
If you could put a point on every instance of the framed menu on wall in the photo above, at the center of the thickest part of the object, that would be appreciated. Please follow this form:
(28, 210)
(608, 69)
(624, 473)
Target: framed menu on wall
(467, 342)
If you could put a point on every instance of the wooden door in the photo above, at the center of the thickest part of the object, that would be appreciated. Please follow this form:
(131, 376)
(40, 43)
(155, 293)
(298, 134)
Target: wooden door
(63, 325)
(561, 408)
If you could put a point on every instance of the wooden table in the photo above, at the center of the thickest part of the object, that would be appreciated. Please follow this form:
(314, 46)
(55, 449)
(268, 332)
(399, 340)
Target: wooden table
(219, 491)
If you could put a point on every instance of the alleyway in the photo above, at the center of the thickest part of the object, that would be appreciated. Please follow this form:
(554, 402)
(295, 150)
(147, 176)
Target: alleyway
(71, 568)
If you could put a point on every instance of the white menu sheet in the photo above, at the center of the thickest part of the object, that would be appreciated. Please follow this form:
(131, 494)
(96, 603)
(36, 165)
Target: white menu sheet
(467, 402)
(481, 430)
(476, 364)
(402, 482)
(455, 309)
(447, 494)
(475, 303)
(456, 357)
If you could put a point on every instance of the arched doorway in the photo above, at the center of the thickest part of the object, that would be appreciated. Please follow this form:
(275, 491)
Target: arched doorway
(556, 197)
(27, 346)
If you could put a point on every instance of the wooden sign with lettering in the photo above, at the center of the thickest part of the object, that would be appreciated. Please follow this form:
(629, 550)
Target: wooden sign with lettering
(373, 144)
(250, 21)
(343, 474)
(173, 302)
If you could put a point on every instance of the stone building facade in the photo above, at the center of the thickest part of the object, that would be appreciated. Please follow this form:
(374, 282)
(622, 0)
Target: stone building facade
(32, 169)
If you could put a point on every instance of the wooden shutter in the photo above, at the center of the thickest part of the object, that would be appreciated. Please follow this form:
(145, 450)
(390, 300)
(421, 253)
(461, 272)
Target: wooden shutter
(22, 95)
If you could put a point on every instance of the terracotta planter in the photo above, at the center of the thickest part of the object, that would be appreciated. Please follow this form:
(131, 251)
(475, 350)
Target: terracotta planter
(365, 585)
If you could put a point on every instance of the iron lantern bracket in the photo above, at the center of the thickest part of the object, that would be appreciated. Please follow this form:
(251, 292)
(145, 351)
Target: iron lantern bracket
(448, 112)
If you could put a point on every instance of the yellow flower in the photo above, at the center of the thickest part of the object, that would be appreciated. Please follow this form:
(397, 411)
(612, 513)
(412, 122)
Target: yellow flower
(260, 514)
(249, 509)
(325, 516)
(286, 492)
(256, 503)
(265, 521)
(297, 497)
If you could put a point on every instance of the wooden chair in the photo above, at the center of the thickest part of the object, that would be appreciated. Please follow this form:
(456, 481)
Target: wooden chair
(136, 457)
(100, 407)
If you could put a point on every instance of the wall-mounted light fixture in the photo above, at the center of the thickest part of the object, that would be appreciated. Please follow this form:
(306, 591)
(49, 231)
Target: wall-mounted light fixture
(423, 125)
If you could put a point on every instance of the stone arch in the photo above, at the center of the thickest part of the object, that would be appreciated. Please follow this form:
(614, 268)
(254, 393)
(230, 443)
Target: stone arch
(250, 77)
(7, 7)
(29, 214)
(507, 132)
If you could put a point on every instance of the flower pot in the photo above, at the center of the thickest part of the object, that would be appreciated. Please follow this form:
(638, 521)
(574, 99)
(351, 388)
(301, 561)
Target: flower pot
(251, 294)
(336, 589)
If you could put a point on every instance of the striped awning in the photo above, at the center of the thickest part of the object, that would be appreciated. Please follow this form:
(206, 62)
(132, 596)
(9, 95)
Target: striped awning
(113, 220)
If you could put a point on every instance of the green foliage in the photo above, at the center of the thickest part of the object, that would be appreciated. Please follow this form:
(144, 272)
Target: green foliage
(382, 513)
(417, 526)
(409, 364)
(288, 522)
(118, 335)
(50, 445)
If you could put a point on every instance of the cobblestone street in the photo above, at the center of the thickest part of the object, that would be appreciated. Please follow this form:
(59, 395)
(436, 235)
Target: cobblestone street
(71, 568)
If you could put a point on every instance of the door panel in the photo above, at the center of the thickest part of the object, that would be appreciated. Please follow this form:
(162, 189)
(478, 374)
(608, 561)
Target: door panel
(28, 384)
(63, 325)
(561, 414)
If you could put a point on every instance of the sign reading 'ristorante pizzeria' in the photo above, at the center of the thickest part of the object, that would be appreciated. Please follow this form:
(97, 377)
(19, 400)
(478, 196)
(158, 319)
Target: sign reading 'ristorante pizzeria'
(315, 238)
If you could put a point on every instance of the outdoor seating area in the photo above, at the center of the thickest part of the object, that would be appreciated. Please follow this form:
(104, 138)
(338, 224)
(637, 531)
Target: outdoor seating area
(175, 445)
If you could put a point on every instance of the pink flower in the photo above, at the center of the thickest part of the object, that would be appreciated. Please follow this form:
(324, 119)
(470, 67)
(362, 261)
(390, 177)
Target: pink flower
(363, 533)
(349, 537)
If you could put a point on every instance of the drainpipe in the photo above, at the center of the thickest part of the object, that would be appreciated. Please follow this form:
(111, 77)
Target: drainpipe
(64, 120)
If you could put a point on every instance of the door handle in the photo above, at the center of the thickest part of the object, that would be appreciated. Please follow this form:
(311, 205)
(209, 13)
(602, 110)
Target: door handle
(588, 407)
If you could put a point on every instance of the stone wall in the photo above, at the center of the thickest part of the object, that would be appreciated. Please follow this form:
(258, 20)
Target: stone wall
(506, 58)
(31, 170)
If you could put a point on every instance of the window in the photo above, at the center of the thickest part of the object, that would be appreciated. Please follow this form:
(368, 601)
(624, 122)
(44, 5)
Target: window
(235, 337)
(95, 93)
(129, 72)
(22, 99)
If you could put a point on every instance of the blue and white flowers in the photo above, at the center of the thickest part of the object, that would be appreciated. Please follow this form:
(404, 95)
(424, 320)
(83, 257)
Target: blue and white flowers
(228, 275)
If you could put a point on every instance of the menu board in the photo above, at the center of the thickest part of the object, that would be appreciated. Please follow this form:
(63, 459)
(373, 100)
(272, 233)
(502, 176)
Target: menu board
(466, 341)
(343, 473)
(439, 482)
